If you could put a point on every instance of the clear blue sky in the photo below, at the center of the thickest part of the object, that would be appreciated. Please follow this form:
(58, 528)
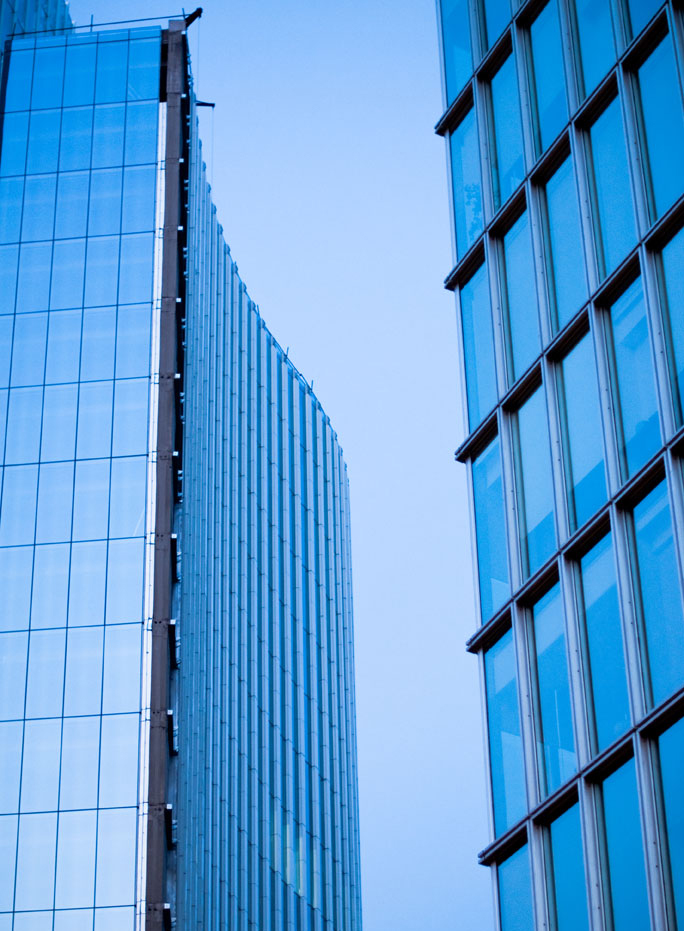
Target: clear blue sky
(332, 190)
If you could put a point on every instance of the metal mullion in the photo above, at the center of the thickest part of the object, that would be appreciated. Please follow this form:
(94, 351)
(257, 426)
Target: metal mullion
(600, 326)
(571, 70)
(654, 865)
(554, 413)
(576, 667)
(536, 221)
(594, 872)
(522, 57)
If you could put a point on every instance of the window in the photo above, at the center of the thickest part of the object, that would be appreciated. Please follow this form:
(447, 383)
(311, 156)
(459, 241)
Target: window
(508, 166)
(548, 76)
(495, 15)
(523, 340)
(595, 41)
(515, 892)
(478, 346)
(465, 172)
(458, 60)
(505, 741)
(492, 558)
(565, 256)
(672, 286)
(639, 12)
(671, 753)
(568, 886)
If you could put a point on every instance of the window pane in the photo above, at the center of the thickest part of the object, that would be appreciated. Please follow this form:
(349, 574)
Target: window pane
(36, 861)
(492, 558)
(515, 892)
(55, 496)
(121, 689)
(549, 79)
(94, 437)
(133, 341)
(585, 471)
(40, 766)
(497, 13)
(478, 346)
(108, 136)
(119, 760)
(104, 216)
(11, 735)
(138, 198)
(617, 230)
(102, 269)
(50, 578)
(569, 887)
(79, 80)
(39, 208)
(33, 284)
(671, 747)
(627, 877)
(637, 405)
(23, 425)
(564, 244)
(535, 483)
(80, 760)
(11, 198)
(135, 271)
(520, 298)
(9, 259)
(83, 688)
(110, 82)
(13, 653)
(58, 439)
(127, 510)
(87, 590)
(141, 132)
(673, 313)
(556, 748)
(640, 11)
(47, 88)
(663, 124)
(8, 859)
(458, 60)
(67, 274)
(467, 187)
(97, 356)
(16, 566)
(125, 581)
(20, 71)
(77, 131)
(91, 500)
(45, 681)
(657, 578)
(43, 142)
(143, 68)
(508, 168)
(597, 49)
(72, 205)
(505, 741)
(14, 141)
(75, 859)
(605, 656)
(18, 505)
(115, 881)
(64, 347)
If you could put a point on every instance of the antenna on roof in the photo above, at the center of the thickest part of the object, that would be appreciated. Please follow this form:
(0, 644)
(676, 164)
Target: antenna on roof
(189, 20)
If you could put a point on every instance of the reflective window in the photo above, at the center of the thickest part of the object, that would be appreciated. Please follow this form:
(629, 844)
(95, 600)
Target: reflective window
(672, 285)
(612, 194)
(671, 751)
(119, 760)
(583, 440)
(97, 356)
(640, 12)
(79, 80)
(634, 386)
(83, 686)
(43, 141)
(508, 167)
(458, 60)
(15, 585)
(127, 508)
(116, 857)
(87, 589)
(523, 341)
(13, 656)
(141, 133)
(596, 44)
(515, 892)
(8, 857)
(605, 663)
(549, 78)
(535, 483)
(124, 581)
(18, 91)
(656, 576)
(626, 875)
(33, 283)
(121, 685)
(39, 208)
(80, 760)
(49, 70)
(11, 733)
(110, 81)
(50, 583)
(91, 500)
(133, 341)
(55, 490)
(58, 438)
(18, 500)
(108, 136)
(569, 901)
(75, 859)
(40, 765)
(71, 217)
(492, 557)
(496, 14)
(36, 861)
(663, 126)
(23, 425)
(143, 68)
(505, 741)
(478, 346)
(76, 140)
(556, 743)
(465, 172)
(45, 679)
(568, 283)
(66, 288)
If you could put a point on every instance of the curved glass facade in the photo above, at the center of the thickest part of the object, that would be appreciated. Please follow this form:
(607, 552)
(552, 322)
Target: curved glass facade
(569, 128)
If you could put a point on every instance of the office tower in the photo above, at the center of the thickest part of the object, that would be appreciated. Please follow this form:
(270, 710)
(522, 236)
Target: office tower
(565, 138)
(177, 732)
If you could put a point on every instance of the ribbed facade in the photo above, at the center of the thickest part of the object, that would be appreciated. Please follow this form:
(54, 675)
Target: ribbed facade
(564, 123)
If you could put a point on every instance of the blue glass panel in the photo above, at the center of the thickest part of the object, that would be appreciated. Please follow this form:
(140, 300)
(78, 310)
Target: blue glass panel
(33, 287)
(9, 259)
(83, 685)
(671, 747)
(39, 208)
(3, 413)
(11, 195)
(458, 59)
(55, 495)
(478, 346)
(127, 510)
(94, 437)
(130, 417)
(14, 142)
(556, 742)
(636, 401)
(143, 68)
(74, 920)
(63, 346)
(505, 741)
(640, 11)
(91, 500)
(115, 879)
(6, 327)
(79, 78)
(108, 136)
(585, 470)
(141, 132)
(36, 861)
(110, 82)
(535, 483)
(49, 70)
(497, 13)
(597, 47)
(659, 592)
(138, 198)
(663, 124)
(135, 273)
(124, 581)
(114, 919)
(520, 304)
(607, 677)
(569, 887)
(11, 737)
(23, 425)
(97, 356)
(508, 167)
(673, 287)
(45, 679)
(58, 439)
(80, 761)
(13, 656)
(8, 858)
(18, 91)
(121, 687)
(43, 142)
(492, 559)
(617, 230)
(50, 579)
(72, 205)
(105, 202)
(627, 877)
(77, 131)
(549, 78)
(467, 186)
(75, 859)
(18, 501)
(87, 591)
(102, 269)
(16, 566)
(515, 892)
(568, 279)
(67, 274)
(33, 921)
(119, 760)
(40, 766)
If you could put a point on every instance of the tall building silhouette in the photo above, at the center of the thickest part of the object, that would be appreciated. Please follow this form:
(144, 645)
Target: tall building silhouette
(564, 125)
(177, 723)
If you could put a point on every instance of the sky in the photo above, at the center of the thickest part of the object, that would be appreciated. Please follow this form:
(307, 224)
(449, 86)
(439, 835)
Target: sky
(332, 190)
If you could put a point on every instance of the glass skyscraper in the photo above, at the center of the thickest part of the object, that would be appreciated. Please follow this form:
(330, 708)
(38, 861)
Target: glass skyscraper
(177, 723)
(564, 123)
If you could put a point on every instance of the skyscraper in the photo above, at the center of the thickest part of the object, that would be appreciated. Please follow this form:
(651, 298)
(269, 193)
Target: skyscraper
(177, 729)
(565, 136)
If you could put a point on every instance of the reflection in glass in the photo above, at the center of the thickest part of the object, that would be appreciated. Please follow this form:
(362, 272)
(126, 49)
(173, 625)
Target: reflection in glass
(45, 680)
(564, 245)
(640, 11)
(8, 859)
(508, 167)
(82, 688)
(549, 78)
(613, 198)
(505, 741)
(671, 752)
(121, 684)
(672, 286)
(143, 68)
(40, 765)
(18, 500)
(515, 892)
(596, 45)
(119, 760)
(58, 439)
(50, 582)
(75, 859)
(492, 559)
(467, 187)
(607, 677)
(11, 734)
(655, 574)
(13, 655)
(55, 490)
(116, 857)
(79, 80)
(478, 346)
(636, 400)
(567, 868)
(87, 589)
(520, 298)
(535, 483)
(124, 581)
(458, 60)
(16, 564)
(497, 13)
(36, 861)
(23, 425)
(80, 760)
(624, 849)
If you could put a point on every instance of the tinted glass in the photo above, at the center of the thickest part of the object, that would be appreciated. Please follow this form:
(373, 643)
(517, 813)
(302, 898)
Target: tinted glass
(520, 298)
(549, 78)
(505, 741)
(478, 346)
(564, 245)
(492, 559)
(458, 60)
(497, 13)
(657, 578)
(465, 169)
(596, 44)
(535, 483)
(508, 167)
(607, 678)
(640, 11)
(567, 869)
(515, 892)
(672, 288)
(671, 747)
